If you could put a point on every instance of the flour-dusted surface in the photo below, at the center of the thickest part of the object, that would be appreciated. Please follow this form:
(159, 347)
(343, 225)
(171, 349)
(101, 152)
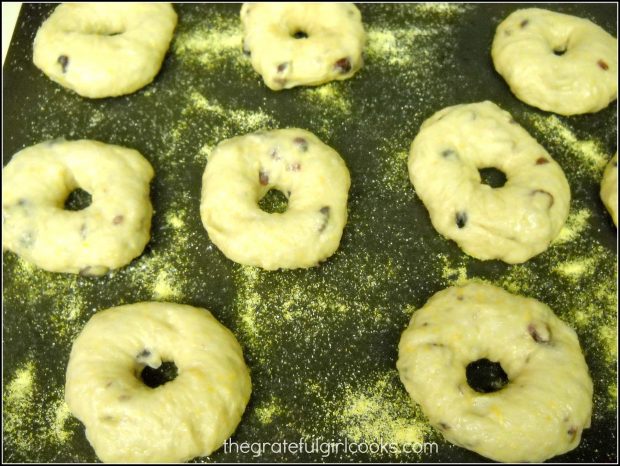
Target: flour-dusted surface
(321, 343)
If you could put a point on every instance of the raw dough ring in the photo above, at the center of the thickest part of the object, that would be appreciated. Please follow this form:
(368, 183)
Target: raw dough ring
(609, 188)
(127, 421)
(557, 62)
(104, 49)
(106, 235)
(547, 402)
(313, 177)
(512, 223)
(331, 49)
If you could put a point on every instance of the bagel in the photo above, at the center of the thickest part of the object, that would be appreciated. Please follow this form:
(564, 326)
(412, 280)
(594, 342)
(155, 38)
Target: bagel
(547, 402)
(513, 222)
(556, 62)
(106, 235)
(104, 49)
(129, 421)
(312, 176)
(303, 44)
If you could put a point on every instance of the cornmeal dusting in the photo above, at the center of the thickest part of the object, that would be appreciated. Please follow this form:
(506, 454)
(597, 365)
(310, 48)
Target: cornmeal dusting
(18, 399)
(33, 420)
(381, 414)
(212, 43)
(267, 411)
(576, 269)
(331, 94)
(576, 222)
(62, 414)
(560, 136)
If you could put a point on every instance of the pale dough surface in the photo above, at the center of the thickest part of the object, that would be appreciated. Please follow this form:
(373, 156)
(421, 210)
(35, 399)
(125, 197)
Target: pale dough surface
(241, 170)
(547, 403)
(109, 49)
(331, 51)
(514, 222)
(584, 79)
(106, 235)
(609, 188)
(190, 416)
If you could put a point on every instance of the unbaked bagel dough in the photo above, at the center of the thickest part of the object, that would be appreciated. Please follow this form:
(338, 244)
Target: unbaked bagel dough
(190, 416)
(556, 62)
(106, 235)
(514, 222)
(313, 177)
(547, 402)
(104, 49)
(303, 44)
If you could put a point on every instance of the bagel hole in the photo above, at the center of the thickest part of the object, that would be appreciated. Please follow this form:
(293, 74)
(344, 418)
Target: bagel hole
(78, 199)
(274, 202)
(486, 376)
(299, 34)
(165, 373)
(559, 52)
(492, 177)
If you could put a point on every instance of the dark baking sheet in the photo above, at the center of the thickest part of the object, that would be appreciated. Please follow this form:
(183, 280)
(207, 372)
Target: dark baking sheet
(321, 343)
